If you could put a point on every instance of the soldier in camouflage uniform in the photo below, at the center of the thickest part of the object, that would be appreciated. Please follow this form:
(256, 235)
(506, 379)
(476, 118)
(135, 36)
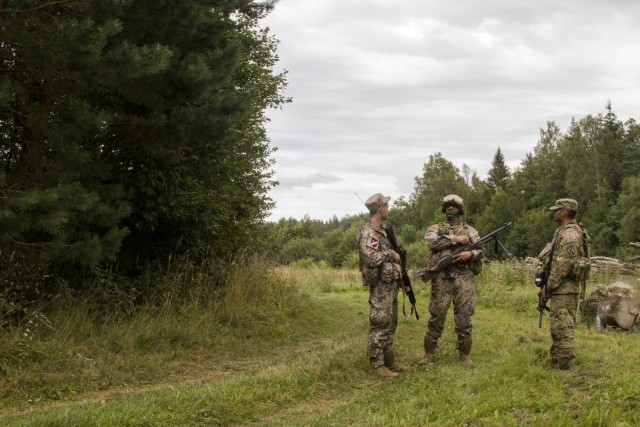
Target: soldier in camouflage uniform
(381, 272)
(570, 242)
(453, 283)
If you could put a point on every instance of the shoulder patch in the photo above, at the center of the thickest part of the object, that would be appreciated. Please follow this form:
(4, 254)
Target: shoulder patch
(373, 242)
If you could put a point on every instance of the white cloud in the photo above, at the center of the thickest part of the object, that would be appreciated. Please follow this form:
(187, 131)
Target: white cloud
(379, 85)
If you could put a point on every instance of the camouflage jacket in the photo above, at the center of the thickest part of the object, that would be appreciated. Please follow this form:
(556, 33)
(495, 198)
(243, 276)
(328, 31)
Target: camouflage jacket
(567, 248)
(441, 240)
(376, 261)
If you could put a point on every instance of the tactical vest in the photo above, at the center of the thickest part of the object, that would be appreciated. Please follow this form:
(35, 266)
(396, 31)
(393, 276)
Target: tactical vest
(461, 229)
(387, 271)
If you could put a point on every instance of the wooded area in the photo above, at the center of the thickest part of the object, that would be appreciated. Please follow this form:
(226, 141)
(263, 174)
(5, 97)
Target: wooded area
(596, 161)
(132, 133)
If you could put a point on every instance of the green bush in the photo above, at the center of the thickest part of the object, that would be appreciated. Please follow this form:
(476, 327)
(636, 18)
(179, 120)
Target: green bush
(416, 255)
(301, 248)
(352, 260)
(20, 286)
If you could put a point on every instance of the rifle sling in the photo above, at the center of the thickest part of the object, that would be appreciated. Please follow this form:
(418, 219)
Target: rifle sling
(413, 307)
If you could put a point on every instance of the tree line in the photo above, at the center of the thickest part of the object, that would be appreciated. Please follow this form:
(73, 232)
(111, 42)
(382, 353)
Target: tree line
(595, 161)
(130, 131)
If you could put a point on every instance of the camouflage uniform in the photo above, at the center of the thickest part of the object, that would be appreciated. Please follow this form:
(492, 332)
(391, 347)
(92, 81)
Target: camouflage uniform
(454, 283)
(381, 274)
(564, 289)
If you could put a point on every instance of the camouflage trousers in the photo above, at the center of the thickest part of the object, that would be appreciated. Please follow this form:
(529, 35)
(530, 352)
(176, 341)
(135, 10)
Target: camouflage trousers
(460, 290)
(383, 320)
(563, 328)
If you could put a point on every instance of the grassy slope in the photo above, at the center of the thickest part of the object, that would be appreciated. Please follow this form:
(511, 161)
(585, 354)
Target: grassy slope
(322, 379)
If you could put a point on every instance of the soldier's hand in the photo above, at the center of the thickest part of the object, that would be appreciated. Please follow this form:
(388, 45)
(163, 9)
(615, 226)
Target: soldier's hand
(544, 294)
(404, 287)
(394, 255)
(462, 240)
(463, 256)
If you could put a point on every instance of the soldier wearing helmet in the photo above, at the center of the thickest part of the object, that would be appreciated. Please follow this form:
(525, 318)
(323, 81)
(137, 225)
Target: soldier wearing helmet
(452, 200)
(454, 284)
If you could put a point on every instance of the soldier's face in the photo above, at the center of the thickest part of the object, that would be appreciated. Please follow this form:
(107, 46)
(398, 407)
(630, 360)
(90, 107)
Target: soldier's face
(558, 214)
(384, 211)
(451, 210)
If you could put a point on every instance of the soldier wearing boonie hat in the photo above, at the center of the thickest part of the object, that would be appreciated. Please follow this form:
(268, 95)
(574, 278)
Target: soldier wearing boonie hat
(382, 274)
(376, 201)
(570, 245)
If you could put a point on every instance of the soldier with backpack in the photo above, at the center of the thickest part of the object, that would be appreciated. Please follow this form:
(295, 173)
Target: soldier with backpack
(568, 255)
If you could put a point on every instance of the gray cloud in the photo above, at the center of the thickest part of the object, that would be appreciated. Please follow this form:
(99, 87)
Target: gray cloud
(308, 181)
(377, 87)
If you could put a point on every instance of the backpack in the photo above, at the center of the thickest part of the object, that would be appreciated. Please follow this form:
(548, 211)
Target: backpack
(582, 267)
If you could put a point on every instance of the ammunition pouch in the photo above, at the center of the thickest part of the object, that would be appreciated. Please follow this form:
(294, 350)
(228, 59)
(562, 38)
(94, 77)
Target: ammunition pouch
(475, 266)
(581, 269)
(430, 263)
(370, 276)
(389, 272)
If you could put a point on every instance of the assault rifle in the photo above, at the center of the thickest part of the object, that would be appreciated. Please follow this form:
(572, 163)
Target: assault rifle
(403, 264)
(446, 261)
(541, 281)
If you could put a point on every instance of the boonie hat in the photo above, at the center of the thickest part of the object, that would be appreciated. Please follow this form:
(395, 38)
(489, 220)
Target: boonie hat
(570, 204)
(374, 202)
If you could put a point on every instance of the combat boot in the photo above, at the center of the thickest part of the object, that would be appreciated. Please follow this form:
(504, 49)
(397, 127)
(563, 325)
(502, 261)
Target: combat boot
(566, 363)
(430, 344)
(382, 372)
(391, 364)
(464, 349)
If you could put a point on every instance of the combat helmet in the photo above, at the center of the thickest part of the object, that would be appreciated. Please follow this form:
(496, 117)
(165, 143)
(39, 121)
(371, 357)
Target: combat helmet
(453, 199)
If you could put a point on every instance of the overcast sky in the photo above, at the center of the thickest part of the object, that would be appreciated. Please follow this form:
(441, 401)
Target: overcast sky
(379, 85)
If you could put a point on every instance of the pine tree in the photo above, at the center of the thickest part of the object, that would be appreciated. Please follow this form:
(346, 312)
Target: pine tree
(134, 129)
(190, 139)
(499, 174)
(57, 199)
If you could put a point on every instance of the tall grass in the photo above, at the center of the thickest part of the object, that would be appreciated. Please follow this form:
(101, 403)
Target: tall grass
(313, 370)
(71, 348)
(313, 279)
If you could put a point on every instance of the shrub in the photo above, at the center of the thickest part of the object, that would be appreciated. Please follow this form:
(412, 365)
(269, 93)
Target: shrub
(301, 248)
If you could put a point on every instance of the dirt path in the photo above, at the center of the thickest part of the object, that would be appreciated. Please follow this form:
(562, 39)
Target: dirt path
(185, 374)
(342, 335)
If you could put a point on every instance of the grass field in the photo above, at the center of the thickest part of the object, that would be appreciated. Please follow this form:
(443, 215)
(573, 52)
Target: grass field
(307, 367)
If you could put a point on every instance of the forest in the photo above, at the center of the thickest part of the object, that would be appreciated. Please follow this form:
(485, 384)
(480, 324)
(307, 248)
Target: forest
(595, 161)
(132, 135)
(141, 284)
